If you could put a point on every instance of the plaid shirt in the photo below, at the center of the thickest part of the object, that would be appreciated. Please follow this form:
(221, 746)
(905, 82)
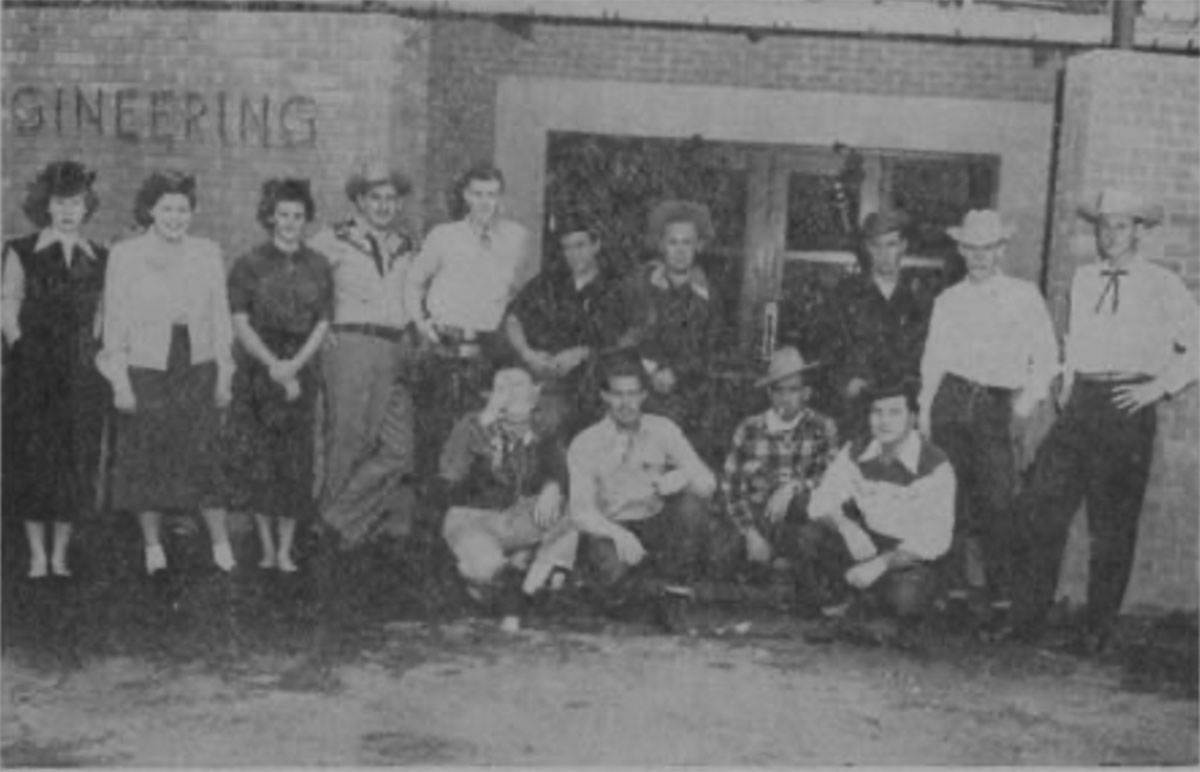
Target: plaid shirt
(762, 460)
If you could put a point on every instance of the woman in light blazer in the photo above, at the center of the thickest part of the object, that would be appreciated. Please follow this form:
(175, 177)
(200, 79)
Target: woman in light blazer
(167, 352)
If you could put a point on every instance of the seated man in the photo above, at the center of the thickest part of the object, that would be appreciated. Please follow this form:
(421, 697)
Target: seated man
(883, 512)
(554, 325)
(503, 481)
(777, 458)
(666, 310)
(640, 494)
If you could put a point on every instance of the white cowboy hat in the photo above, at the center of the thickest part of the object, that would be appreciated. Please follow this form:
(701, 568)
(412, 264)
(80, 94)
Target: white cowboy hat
(1114, 201)
(981, 228)
(784, 362)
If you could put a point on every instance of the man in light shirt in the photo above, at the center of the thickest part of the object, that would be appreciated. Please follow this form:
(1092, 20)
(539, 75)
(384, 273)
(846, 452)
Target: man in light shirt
(990, 356)
(465, 276)
(640, 495)
(883, 512)
(1131, 343)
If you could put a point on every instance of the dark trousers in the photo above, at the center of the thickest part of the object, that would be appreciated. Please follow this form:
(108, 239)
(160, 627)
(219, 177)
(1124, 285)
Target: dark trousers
(907, 592)
(971, 424)
(674, 540)
(1098, 456)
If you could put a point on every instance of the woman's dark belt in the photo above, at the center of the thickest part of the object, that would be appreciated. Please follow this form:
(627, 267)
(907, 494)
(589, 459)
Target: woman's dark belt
(1113, 378)
(394, 334)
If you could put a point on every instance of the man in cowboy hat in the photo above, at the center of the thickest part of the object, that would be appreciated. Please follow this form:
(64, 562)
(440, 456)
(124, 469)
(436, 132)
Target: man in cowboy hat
(877, 321)
(367, 459)
(368, 439)
(1131, 342)
(883, 512)
(666, 310)
(776, 459)
(640, 495)
(990, 356)
(502, 483)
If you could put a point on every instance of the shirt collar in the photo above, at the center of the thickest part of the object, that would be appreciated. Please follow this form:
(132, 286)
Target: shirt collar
(909, 453)
(776, 425)
(49, 236)
(696, 279)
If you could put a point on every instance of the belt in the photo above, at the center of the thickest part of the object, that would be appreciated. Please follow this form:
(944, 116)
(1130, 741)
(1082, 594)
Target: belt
(1001, 391)
(394, 334)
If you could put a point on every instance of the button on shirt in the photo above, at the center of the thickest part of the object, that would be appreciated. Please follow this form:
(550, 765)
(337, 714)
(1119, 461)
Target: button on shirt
(368, 279)
(470, 276)
(909, 497)
(1155, 316)
(995, 333)
(612, 471)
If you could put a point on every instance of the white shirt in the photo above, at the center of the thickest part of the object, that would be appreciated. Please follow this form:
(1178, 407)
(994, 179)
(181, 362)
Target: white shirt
(996, 332)
(470, 279)
(920, 515)
(1155, 316)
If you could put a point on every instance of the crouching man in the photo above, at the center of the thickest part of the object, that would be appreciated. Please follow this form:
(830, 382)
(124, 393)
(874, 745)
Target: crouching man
(776, 459)
(882, 514)
(504, 482)
(640, 494)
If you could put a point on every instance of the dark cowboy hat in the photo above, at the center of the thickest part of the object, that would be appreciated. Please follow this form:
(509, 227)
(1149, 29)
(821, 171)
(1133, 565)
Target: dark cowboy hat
(877, 224)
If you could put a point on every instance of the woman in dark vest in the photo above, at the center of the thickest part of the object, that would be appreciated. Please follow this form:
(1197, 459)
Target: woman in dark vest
(54, 399)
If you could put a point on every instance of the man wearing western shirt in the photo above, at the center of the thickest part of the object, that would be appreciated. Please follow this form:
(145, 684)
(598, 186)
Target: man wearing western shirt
(1131, 343)
(990, 356)
(883, 512)
(640, 495)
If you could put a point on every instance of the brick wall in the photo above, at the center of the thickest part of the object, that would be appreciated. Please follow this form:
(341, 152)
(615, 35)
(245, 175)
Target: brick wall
(470, 56)
(1130, 120)
(190, 86)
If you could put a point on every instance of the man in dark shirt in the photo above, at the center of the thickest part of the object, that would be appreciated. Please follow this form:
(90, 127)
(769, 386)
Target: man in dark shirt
(556, 328)
(503, 481)
(876, 323)
(666, 311)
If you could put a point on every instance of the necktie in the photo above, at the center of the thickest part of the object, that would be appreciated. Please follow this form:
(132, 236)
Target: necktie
(376, 254)
(1112, 285)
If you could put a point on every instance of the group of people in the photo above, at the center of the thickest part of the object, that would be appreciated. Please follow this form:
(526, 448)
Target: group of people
(566, 410)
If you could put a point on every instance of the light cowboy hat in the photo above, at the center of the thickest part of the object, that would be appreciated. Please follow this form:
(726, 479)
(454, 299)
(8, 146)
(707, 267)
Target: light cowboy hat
(1114, 201)
(981, 228)
(784, 362)
(376, 172)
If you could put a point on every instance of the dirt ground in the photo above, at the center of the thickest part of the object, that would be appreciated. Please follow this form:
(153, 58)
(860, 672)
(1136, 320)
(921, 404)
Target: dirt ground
(148, 679)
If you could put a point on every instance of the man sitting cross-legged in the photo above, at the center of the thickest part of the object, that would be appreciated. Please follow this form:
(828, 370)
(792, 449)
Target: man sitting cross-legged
(503, 479)
(883, 512)
(640, 494)
(776, 459)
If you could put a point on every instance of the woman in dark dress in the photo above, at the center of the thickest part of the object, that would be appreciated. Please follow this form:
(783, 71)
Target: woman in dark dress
(281, 296)
(168, 352)
(54, 400)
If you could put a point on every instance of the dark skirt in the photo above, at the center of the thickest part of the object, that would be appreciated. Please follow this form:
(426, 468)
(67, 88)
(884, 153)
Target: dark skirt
(268, 441)
(55, 402)
(166, 451)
